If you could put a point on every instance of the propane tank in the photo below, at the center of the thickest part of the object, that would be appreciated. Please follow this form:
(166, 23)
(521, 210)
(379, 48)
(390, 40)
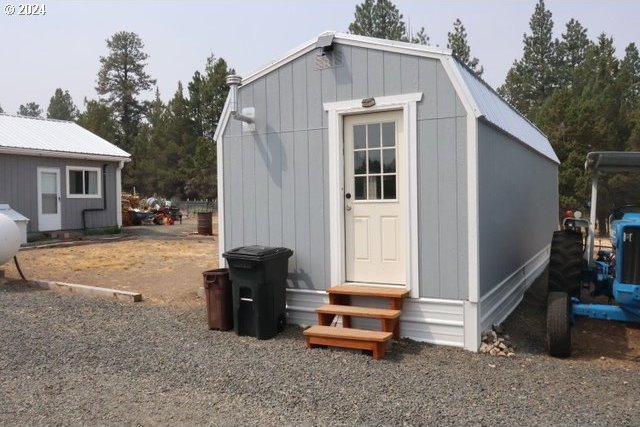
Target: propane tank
(9, 239)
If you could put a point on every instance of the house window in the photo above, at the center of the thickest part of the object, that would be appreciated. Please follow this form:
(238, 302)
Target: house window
(83, 182)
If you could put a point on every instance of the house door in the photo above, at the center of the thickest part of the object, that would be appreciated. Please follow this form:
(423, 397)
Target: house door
(375, 203)
(49, 215)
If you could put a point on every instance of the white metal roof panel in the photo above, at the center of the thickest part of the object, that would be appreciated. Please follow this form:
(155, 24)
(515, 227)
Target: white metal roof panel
(499, 112)
(30, 133)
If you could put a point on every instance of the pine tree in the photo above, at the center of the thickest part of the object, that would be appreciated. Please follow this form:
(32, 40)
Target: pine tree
(383, 20)
(629, 79)
(380, 19)
(457, 42)
(207, 95)
(121, 79)
(30, 109)
(181, 135)
(586, 116)
(420, 37)
(149, 169)
(97, 117)
(572, 51)
(61, 106)
(533, 78)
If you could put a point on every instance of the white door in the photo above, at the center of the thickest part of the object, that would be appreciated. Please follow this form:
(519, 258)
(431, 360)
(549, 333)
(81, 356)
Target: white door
(49, 215)
(375, 203)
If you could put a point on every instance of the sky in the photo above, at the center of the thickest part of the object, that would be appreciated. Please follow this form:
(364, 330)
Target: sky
(61, 49)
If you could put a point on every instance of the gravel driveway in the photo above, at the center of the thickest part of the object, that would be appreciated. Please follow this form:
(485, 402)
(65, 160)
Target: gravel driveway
(68, 360)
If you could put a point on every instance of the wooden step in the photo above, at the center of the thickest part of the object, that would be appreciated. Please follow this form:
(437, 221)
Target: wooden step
(389, 318)
(355, 311)
(369, 291)
(360, 339)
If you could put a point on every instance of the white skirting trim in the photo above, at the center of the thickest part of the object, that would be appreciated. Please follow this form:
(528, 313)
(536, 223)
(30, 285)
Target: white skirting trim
(496, 305)
(436, 321)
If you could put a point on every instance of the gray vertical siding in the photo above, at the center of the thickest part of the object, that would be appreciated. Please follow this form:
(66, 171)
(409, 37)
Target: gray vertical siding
(18, 187)
(518, 204)
(276, 179)
(442, 186)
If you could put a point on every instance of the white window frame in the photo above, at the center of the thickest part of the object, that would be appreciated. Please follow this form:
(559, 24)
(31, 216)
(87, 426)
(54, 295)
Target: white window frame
(84, 169)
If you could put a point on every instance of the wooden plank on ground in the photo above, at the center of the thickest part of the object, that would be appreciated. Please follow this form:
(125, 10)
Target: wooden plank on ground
(117, 294)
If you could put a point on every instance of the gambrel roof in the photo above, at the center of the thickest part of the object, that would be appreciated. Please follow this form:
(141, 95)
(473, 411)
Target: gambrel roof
(486, 103)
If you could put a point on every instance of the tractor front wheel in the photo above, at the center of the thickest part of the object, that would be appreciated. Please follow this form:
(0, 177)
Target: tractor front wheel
(559, 324)
(566, 263)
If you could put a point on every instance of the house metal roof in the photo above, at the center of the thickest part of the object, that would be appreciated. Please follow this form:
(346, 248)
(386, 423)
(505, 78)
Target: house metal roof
(487, 104)
(36, 136)
(500, 113)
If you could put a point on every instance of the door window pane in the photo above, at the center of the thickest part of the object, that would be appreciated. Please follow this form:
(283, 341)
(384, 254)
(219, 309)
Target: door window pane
(359, 165)
(48, 183)
(359, 137)
(374, 161)
(389, 160)
(49, 203)
(360, 188)
(389, 182)
(389, 134)
(375, 190)
(373, 131)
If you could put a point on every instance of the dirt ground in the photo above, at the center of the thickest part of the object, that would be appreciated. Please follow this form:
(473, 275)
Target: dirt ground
(165, 264)
(597, 342)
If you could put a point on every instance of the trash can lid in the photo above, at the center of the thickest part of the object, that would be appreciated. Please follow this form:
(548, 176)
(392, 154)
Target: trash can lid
(257, 253)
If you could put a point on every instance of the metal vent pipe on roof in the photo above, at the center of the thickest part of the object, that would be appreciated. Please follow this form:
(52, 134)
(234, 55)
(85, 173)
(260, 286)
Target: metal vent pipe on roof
(234, 80)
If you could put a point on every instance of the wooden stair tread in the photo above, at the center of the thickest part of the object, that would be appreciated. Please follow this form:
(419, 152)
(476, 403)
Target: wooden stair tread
(347, 333)
(369, 291)
(356, 311)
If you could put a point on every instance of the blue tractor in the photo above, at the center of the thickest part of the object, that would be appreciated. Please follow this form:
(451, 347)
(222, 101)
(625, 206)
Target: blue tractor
(614, 274)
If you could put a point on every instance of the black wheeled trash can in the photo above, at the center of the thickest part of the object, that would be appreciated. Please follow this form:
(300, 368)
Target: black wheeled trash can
(259, 282)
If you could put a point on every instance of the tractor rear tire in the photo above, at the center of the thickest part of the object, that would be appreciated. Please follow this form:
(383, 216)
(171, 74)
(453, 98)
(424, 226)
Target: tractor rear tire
(565, 264)
(559, 324)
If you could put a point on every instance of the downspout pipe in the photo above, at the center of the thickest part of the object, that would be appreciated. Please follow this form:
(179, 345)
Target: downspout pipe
(104, 199)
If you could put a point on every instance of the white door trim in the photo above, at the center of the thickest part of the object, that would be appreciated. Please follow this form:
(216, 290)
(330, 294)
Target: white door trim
(39, 195)
(336, 112)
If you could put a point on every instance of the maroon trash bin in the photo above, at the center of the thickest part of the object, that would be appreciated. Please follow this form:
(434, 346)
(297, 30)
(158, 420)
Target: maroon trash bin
(217, 290)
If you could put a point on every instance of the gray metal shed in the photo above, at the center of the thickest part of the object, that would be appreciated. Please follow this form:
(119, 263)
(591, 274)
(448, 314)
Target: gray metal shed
(392, 164)
(55, 173)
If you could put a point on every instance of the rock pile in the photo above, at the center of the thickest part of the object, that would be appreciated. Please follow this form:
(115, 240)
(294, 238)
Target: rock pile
(496, 343)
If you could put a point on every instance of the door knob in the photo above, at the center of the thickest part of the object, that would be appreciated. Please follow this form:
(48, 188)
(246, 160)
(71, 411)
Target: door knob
(348, 207)
(348, 195)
